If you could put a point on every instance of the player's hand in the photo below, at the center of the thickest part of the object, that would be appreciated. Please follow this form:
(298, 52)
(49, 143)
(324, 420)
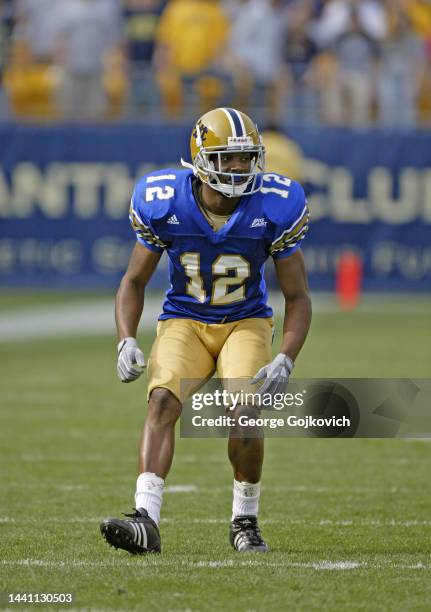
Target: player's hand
(131, 360)
(275, 375)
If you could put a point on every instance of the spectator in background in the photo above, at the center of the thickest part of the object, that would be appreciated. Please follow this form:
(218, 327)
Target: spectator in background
(256, 54)
(352, 31)
(6, 27)
(30, 78)
(402, 65)
(419, 13)
(141, 19)
(191, 40)
(300, 53)
(335, 18)
(34, 28)
(88, 43)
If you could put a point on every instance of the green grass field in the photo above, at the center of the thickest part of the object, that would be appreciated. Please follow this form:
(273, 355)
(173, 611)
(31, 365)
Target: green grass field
(348, 521)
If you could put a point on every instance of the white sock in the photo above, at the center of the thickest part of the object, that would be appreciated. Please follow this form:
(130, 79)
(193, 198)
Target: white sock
(149, 494)
(245, 499)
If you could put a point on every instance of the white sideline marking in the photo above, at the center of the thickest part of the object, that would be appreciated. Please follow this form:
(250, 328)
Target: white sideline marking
(335, 565)
(226, 563)
(72, 487)
(315, 565)
(321, 523)
(355, 490)
(322, 489)
(89, 318)
(211, 490)
(189, 488)
(95, 316)
(373, 522)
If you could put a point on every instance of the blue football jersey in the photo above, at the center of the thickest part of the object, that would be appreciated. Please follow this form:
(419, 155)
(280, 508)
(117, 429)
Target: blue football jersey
(217, 276)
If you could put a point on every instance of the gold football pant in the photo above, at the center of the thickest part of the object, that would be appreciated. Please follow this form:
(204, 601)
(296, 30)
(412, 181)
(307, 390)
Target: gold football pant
(186, 353)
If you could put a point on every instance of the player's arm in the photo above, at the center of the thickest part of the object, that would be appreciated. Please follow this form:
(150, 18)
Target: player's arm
(130, 296)
(129, 304)
(292, 279)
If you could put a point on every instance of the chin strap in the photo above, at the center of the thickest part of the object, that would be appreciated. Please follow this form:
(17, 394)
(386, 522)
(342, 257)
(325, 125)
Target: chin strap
(218, 186)
(190, 166)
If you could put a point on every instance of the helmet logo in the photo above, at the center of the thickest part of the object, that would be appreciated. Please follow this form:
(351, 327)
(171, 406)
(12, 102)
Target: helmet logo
(200, 133)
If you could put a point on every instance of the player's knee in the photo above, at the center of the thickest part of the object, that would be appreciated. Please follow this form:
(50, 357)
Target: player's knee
(249, 412)
(163, 407)
(246, 425)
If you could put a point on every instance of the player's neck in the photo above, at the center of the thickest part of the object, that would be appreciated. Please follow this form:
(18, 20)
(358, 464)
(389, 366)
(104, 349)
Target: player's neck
(215, 201)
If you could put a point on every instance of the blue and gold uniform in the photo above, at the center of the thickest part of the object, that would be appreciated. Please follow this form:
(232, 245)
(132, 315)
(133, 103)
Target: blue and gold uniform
(217, 277)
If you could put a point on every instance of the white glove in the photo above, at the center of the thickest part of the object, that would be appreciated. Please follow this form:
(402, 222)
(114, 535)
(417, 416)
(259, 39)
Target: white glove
(131, 360)
(275, 375)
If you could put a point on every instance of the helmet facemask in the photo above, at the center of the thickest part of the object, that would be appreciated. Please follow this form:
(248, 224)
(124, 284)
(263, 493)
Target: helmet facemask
(231, 184)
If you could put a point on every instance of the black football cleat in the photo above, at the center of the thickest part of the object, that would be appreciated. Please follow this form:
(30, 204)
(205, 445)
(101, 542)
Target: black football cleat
(244, 535)
(138, 534)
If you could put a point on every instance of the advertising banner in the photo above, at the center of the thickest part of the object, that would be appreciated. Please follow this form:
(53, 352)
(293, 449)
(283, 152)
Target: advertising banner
(65, 193)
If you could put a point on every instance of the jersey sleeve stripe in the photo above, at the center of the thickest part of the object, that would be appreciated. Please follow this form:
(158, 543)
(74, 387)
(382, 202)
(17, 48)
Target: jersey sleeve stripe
(291, 235)
(287, 245)
(299, 237)
(294, 225)
(144, 231)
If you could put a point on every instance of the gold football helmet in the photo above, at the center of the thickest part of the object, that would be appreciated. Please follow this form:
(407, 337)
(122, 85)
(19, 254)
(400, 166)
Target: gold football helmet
(222, 131)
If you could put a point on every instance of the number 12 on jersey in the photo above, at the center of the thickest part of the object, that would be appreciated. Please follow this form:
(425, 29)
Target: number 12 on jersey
(280, 180)
(221, 267)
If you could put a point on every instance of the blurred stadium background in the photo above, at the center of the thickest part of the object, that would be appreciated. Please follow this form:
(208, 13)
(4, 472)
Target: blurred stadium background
(92, 94)
(96, 92)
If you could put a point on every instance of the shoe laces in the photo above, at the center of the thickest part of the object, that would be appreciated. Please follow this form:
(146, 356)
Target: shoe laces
(250, 529)
(135, 514)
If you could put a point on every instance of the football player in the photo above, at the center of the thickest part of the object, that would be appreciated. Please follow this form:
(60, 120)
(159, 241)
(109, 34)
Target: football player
(218, 219)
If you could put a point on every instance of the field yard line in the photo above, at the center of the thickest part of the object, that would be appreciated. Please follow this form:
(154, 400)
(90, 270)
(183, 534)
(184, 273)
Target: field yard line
(169, 489)
(325, 565)
(197, 489)
(321, 523)
(273, 521)
(329, 462)
(221, 459)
